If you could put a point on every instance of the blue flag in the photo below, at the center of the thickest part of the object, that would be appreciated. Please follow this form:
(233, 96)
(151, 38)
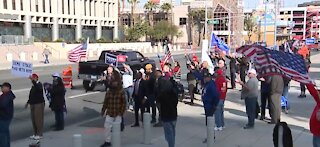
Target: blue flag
(216, 41)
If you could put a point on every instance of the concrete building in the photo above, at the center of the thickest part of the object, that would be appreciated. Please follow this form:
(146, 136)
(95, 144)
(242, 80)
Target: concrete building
(48, 20)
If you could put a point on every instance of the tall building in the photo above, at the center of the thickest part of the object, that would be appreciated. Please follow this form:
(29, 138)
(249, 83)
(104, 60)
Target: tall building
(48, 20)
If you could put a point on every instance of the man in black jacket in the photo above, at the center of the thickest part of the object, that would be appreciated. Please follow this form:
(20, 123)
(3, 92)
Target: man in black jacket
(36, 102)
(168, 99)
(6, 113)
(57, 103)
(233, 69)
(138, 96)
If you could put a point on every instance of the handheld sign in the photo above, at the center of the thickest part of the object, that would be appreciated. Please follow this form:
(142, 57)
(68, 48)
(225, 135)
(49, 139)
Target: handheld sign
(111, 59)
(121, 58)
(21, 69)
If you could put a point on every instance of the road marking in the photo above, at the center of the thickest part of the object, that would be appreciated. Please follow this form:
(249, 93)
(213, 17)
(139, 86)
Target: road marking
(20, 90)
(85, 94)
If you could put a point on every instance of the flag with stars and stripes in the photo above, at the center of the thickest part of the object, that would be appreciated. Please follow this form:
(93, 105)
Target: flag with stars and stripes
(269, 62)
(167, 57)
(79, 52)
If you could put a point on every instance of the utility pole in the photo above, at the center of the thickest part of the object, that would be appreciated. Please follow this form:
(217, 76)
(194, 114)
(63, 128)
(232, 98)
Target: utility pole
(265, 22)
(206, 21)
(275, 22)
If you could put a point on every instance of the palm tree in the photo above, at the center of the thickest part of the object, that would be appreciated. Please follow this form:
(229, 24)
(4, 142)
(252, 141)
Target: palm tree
(133, 4)
(150, 7)
(166, 7)
(196, 17)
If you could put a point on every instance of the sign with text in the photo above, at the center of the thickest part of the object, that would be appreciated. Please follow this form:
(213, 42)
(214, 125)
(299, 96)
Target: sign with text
(121, 58)
(21, 68)
(310, 41)
(111, 59)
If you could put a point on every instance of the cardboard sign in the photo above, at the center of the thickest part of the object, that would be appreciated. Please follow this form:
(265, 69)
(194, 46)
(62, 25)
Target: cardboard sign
(111, 59)
(21, 69)
(310, 41)
(121, 58)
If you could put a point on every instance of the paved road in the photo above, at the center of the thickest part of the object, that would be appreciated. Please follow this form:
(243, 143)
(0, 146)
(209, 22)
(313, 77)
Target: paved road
(81, 106)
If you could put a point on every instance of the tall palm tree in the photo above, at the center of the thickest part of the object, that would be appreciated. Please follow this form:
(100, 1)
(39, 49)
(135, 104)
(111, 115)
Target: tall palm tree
(166, 7)
(150, 7)
(196, 17)
(133, 4)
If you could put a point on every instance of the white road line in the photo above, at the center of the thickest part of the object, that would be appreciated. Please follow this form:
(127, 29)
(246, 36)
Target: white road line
(20, 90)
(80, 95)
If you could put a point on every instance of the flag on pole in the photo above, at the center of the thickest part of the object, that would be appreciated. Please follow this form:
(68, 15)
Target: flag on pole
(269, 62)
(216, 41)
(79, 52)
(167, 57)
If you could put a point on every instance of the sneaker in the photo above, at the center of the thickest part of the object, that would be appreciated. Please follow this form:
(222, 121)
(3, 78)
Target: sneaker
(218, 128)
(131, 107)
(159, 124)
(106, 144)
(248, 127)
(204, 141)
(37, 137)
(32, 137)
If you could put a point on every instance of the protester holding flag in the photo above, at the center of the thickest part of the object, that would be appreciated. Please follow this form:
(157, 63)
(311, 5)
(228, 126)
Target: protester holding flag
(233, 69)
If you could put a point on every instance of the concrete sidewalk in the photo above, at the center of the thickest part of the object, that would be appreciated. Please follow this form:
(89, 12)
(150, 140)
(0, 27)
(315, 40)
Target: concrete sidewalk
(190, 130)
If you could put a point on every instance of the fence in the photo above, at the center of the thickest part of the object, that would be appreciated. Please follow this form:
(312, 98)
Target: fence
(15, 40)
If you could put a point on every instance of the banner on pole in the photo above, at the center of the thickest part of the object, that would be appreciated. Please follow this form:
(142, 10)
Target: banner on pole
(21, 68)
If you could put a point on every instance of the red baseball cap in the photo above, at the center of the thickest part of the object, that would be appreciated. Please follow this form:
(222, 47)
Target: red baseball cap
(35, 76)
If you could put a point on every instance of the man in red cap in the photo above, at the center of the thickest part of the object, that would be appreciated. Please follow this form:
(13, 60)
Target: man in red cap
(36, 102)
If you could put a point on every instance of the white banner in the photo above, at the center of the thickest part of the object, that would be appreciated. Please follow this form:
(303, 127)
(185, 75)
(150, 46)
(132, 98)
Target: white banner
(21, 68)
(205, 56)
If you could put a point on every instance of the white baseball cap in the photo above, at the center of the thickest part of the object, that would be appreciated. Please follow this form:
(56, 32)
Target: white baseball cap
(56, 75)
(253, 71)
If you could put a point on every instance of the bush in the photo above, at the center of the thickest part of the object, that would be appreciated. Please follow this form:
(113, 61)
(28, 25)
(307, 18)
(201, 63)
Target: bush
(103, 40)
(59, 40)
(116, 40)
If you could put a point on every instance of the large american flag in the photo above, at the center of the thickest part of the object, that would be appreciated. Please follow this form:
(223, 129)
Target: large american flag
(79, 52)
(269, 62)
(167, 57)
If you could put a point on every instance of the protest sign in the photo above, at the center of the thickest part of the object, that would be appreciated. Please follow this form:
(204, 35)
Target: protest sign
(21, 69)
(111, 59)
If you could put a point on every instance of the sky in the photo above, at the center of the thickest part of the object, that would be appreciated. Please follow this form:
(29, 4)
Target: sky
(249, 4)
(287, 3)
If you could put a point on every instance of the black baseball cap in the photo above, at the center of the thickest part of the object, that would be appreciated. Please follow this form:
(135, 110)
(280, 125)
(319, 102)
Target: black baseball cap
(6, 84)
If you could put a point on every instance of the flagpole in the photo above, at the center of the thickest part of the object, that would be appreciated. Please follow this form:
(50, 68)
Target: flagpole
(87, 49)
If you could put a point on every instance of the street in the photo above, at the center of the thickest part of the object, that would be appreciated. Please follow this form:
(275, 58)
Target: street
(81, 105)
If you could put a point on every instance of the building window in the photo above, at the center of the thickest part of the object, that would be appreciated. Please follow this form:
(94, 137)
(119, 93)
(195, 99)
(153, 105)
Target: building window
(289, 12)
(281, 13)
(5, 4)
(182, 21)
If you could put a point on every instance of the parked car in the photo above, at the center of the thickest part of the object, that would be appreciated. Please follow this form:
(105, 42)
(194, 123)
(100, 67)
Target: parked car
(92, 71)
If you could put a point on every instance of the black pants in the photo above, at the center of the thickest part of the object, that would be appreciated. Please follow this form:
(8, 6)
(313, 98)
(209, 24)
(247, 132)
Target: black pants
(303, 88)
(243, 75)
(251, 110)
(59, 117)
(151, 104)
(233, 77)
(191, 88)
(208, 113)
(158, 107)
(265, 97)
(138, 106)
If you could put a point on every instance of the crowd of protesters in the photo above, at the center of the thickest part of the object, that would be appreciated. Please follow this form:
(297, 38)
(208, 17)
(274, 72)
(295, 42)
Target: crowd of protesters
(157, 90)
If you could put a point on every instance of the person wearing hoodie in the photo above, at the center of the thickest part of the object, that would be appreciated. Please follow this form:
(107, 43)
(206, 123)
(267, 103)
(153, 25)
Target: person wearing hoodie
(210, 97)
(57, 103)
(6, 113)
(221, 84)
(36, 102)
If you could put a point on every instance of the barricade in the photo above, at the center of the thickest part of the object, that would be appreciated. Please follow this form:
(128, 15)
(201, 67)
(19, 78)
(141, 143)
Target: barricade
(67, 77)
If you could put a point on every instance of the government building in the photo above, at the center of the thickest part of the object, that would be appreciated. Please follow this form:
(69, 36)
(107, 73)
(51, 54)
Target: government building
(50, 20)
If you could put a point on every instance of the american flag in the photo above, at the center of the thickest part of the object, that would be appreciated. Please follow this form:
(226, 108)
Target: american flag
(167, 57)
(79, 52)
(268, 62)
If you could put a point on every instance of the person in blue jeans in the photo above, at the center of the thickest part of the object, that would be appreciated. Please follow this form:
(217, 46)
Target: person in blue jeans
(210, 97)
(168, 99)
(6, 113)
(221, 84)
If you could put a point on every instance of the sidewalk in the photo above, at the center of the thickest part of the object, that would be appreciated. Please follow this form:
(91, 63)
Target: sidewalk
(56, 62)
(190, 130)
